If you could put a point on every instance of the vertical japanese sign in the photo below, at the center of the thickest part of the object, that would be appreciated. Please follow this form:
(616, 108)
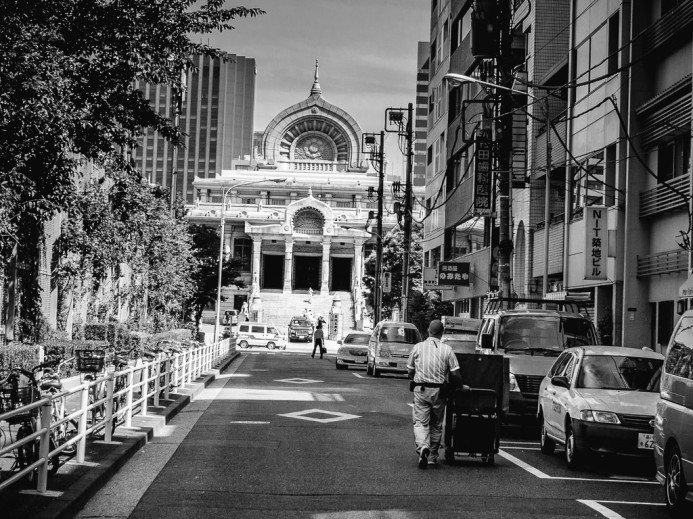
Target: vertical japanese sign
(596, 242)
(482, 175)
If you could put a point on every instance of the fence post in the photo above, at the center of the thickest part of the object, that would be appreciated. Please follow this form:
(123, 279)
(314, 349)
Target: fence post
(144, 387)
(128, 397)
(186, 356)
(157, 384)
(82, 443)
(110, 382)
(167, 378)
(44, 445)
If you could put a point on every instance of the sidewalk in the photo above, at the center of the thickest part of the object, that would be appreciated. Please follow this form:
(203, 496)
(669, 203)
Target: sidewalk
(74, 483)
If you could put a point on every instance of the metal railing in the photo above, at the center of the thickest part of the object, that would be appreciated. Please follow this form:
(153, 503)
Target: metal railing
(666, 262)
(143, 382)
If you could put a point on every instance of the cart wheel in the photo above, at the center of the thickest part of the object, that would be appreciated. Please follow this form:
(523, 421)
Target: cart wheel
(449, 455)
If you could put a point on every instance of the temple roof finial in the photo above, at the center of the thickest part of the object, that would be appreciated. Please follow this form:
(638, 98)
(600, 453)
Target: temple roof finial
(316, 90)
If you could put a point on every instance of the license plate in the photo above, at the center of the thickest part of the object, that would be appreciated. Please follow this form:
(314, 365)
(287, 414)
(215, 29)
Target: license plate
(301, 336)
(645, 441)
(357, 361)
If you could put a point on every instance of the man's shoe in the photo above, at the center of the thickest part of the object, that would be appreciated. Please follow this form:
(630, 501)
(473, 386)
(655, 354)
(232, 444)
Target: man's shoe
(432, 463)
(423, 458)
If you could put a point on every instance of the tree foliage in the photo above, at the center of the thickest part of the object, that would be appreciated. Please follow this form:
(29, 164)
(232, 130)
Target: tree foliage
(206, 275)
(68, 69)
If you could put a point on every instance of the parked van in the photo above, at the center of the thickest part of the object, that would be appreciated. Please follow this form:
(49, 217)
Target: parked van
(531, 339)
(259, 334)
(389, 347)
(673, 427)
(460, 333)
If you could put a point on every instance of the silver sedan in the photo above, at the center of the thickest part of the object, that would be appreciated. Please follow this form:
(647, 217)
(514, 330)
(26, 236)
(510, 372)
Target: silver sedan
(353, 350)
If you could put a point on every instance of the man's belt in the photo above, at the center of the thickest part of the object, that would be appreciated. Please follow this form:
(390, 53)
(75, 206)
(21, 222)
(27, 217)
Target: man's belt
(425, 385)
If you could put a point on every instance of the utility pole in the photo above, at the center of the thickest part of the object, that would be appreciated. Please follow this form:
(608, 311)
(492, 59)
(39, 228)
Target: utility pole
(400, 121)
(377, 150)
(408, 202)
(504, 146)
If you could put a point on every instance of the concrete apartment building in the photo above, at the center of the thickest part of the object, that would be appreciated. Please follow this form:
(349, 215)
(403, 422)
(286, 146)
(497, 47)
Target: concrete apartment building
(216, 114)
(618, 77)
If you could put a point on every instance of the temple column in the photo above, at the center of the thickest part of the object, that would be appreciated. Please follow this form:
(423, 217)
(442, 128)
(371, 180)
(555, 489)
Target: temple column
(324, 287)
(288, 263)
(257, 245)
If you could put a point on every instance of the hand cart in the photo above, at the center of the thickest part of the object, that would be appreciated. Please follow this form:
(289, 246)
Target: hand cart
(472, 425)
(473, 418)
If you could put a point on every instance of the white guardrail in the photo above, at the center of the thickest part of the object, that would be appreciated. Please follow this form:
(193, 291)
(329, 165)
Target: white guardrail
(143, 381)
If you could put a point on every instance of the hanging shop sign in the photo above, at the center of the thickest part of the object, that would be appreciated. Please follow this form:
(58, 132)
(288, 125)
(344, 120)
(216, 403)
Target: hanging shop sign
(596, 242)
(430, 280)
(482, 176)
(453, 273)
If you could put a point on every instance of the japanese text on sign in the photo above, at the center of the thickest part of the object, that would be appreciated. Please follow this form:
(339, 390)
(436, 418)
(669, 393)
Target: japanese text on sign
(596, 238)
(453, 273)
(482, 177)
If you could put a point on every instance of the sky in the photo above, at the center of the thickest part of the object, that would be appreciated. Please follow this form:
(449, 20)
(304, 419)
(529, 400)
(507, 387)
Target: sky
(367, 51)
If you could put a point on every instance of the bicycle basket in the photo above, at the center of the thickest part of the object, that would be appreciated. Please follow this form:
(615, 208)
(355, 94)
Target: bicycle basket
(90, 360)
(15, 398)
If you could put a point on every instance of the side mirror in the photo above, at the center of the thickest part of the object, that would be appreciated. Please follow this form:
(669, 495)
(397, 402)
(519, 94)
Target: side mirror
(680, 306)
(486, 341)
(560, 382)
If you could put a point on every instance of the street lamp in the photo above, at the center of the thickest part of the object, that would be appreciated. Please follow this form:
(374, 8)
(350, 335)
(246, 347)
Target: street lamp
(457, 79)
(221, 241)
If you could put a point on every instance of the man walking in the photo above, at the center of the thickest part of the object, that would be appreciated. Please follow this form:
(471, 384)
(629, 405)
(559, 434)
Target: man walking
(318, 337)
(430, 362)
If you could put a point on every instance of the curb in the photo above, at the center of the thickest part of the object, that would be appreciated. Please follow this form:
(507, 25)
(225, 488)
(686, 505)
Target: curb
(72, 487)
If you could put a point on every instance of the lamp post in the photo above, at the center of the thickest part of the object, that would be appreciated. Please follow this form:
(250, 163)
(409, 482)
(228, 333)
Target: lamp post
(221, 242)
(461, 78)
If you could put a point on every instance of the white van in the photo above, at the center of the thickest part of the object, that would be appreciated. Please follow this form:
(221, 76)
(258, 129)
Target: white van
(259, 334)
(673, 427)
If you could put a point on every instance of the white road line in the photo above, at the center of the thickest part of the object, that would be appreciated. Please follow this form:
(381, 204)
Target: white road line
(512, 459)
(359, 375)
(639, 503)
(542, 475)
(510, 447)
(248, 422)
(518, 443)
(606, 512)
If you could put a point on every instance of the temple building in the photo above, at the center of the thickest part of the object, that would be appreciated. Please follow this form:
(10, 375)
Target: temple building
(301, 213)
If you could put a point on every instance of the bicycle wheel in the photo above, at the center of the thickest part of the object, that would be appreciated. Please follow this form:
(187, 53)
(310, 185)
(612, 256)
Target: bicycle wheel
(27, 453)
(67, 431)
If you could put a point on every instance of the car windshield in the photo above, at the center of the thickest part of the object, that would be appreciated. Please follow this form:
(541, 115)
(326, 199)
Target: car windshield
(272, 331)
(544, 335)
(300, 322)
(399, 334)
(359, 338)
(617, 372)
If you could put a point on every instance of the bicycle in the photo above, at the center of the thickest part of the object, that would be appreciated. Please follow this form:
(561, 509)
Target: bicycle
(14, 394)
(50, 383)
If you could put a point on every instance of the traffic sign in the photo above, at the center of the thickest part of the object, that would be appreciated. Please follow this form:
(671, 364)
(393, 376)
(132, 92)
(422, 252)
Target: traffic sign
(387, 282)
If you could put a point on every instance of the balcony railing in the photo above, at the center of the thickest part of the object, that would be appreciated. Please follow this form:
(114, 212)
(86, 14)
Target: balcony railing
(668, 28)
(663, 263)
(662, 198)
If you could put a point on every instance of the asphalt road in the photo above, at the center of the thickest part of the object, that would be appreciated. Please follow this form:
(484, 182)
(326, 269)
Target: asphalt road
(283, 435)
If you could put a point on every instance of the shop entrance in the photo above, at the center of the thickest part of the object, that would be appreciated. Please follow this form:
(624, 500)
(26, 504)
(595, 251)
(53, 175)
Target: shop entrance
(307, 272)
(272, 271)
(341, 274)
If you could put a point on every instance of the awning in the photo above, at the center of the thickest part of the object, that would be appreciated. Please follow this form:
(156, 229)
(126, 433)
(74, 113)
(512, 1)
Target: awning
(686, 290)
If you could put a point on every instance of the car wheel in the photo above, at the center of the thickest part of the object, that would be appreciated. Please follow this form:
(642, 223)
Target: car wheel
(449, 455)
(271, 345)
(369, 370)
(674, 482)
(573, 457)
(243, 344)
(340, 366)
(547, 444)
(376, 371)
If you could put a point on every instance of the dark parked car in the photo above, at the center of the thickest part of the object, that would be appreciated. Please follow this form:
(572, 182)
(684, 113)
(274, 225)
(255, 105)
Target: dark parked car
(300, 329)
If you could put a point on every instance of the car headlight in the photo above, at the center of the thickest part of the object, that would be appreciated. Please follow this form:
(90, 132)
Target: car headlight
(513, 383)
(587, 415)
(383, 354)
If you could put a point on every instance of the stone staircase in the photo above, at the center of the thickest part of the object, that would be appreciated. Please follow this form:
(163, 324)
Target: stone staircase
(279, 308)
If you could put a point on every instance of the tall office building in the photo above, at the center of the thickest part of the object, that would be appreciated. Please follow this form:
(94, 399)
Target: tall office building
(421, 116)
(216, 116)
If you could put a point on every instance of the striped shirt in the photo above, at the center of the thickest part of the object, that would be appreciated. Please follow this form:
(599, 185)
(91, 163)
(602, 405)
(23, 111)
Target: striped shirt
(432, 360)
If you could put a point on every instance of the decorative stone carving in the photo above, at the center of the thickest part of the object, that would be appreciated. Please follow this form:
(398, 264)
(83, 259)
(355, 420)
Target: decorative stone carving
(308, 221)
(313, 147)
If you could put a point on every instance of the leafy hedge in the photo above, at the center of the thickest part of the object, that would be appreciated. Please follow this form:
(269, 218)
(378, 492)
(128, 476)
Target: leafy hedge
(111, 336)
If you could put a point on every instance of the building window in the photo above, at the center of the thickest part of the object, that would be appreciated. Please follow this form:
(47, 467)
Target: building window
(614, 30)
(243, 250)
(673, 158)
